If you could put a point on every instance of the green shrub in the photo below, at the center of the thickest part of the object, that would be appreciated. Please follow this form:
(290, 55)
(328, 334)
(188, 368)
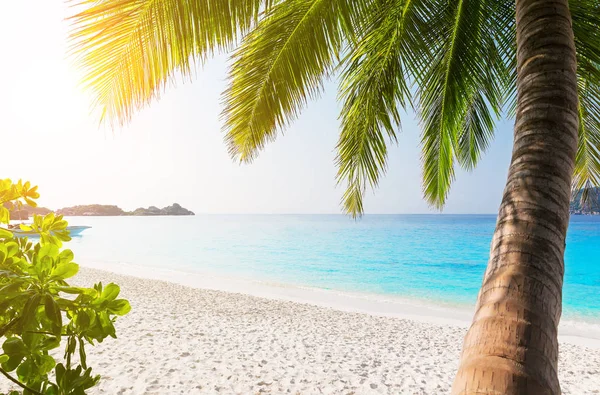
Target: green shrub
(40, 311)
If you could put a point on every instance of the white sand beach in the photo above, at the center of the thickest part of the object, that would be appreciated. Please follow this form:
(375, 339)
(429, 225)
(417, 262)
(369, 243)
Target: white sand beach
(180, 340)
(183, 340)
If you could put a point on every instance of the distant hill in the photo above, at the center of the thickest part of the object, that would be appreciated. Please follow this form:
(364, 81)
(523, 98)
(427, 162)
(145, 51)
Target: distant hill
(91, 210)
(590, 207)
(110, 210)
(174, 209)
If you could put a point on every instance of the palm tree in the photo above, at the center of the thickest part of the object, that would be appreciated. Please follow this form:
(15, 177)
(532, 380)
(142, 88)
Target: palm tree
(460, 64)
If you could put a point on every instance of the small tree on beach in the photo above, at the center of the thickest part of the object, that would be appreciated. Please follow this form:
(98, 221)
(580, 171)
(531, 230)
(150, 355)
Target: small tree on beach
(40, 311)
(458, 63)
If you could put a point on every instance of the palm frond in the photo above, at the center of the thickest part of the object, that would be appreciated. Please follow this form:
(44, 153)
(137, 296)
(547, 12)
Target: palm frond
(586, 28)
(130, 49)
(494, 90)
(461, 88)
(373, 86)
(279, 66)
(587, 160)
(477, 131)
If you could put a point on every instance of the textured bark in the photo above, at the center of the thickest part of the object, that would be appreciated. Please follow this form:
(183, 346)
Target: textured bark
(511, 347)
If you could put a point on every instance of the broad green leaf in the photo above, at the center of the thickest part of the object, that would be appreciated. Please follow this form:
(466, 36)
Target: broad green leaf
(12, 248)
(3, 252)
(65, 270)
(46, 364)
(30, 309)
(110, 292)
(11, 290)
(59, 225)
(32, 340)
(4, 215)
(107, 324)
(49, 219)
(45, 264)
(119, 307)
(83, 320)
(30, 202)
(13, 362)
(66, 256)
(49, 343)
(48, 250)
(14, 346)
(62, 235)
(45, 239)
(27, 370)
(32, 193)
(53, 312)
(60, 372)
(5, 234)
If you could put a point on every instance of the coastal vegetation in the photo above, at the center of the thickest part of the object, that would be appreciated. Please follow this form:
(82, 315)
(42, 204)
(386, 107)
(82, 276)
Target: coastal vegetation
(40, 311)
(460, 65)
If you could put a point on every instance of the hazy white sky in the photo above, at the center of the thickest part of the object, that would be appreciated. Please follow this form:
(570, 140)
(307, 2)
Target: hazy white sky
(173, 151)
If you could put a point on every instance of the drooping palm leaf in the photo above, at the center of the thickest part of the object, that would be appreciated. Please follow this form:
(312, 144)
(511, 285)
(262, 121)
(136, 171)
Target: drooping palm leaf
(586, 28)
(130, 49)
(460, 54)
(374, 85)
(493, 90)
(587, 161)
(279, 66)
(460, 89)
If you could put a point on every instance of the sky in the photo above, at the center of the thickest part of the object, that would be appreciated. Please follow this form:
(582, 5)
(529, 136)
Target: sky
(173, 150)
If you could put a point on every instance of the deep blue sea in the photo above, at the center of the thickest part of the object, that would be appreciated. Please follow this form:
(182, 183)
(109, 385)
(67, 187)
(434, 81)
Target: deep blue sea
(438, 258)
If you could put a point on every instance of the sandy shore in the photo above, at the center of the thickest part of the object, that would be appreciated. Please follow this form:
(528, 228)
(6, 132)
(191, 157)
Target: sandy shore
(181, 340)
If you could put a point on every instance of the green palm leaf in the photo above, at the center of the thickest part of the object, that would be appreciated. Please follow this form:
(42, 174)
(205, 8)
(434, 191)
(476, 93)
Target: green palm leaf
(374, 85)
(587, 160)
(278, 67)
(130, 49)
(455, 59)
(586, 25)
(461, 89)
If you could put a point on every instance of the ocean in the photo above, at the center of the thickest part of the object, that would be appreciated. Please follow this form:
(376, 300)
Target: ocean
(433, 258)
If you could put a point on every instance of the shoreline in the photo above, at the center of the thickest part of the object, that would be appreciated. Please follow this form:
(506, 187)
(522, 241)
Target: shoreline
(573, 331)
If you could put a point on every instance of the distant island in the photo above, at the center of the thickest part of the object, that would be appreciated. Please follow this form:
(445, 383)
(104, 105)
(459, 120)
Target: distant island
(108, 210)
(100, 210)
(590, 207)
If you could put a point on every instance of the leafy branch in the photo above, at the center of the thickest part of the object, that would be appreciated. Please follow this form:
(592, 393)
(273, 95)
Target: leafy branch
(17, 382)
(40, 311)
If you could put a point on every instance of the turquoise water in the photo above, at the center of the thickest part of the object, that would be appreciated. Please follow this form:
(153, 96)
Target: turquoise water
(440, 258)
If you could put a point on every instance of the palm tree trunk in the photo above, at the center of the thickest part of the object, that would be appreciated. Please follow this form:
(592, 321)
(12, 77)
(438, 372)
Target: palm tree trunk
(512, 347)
